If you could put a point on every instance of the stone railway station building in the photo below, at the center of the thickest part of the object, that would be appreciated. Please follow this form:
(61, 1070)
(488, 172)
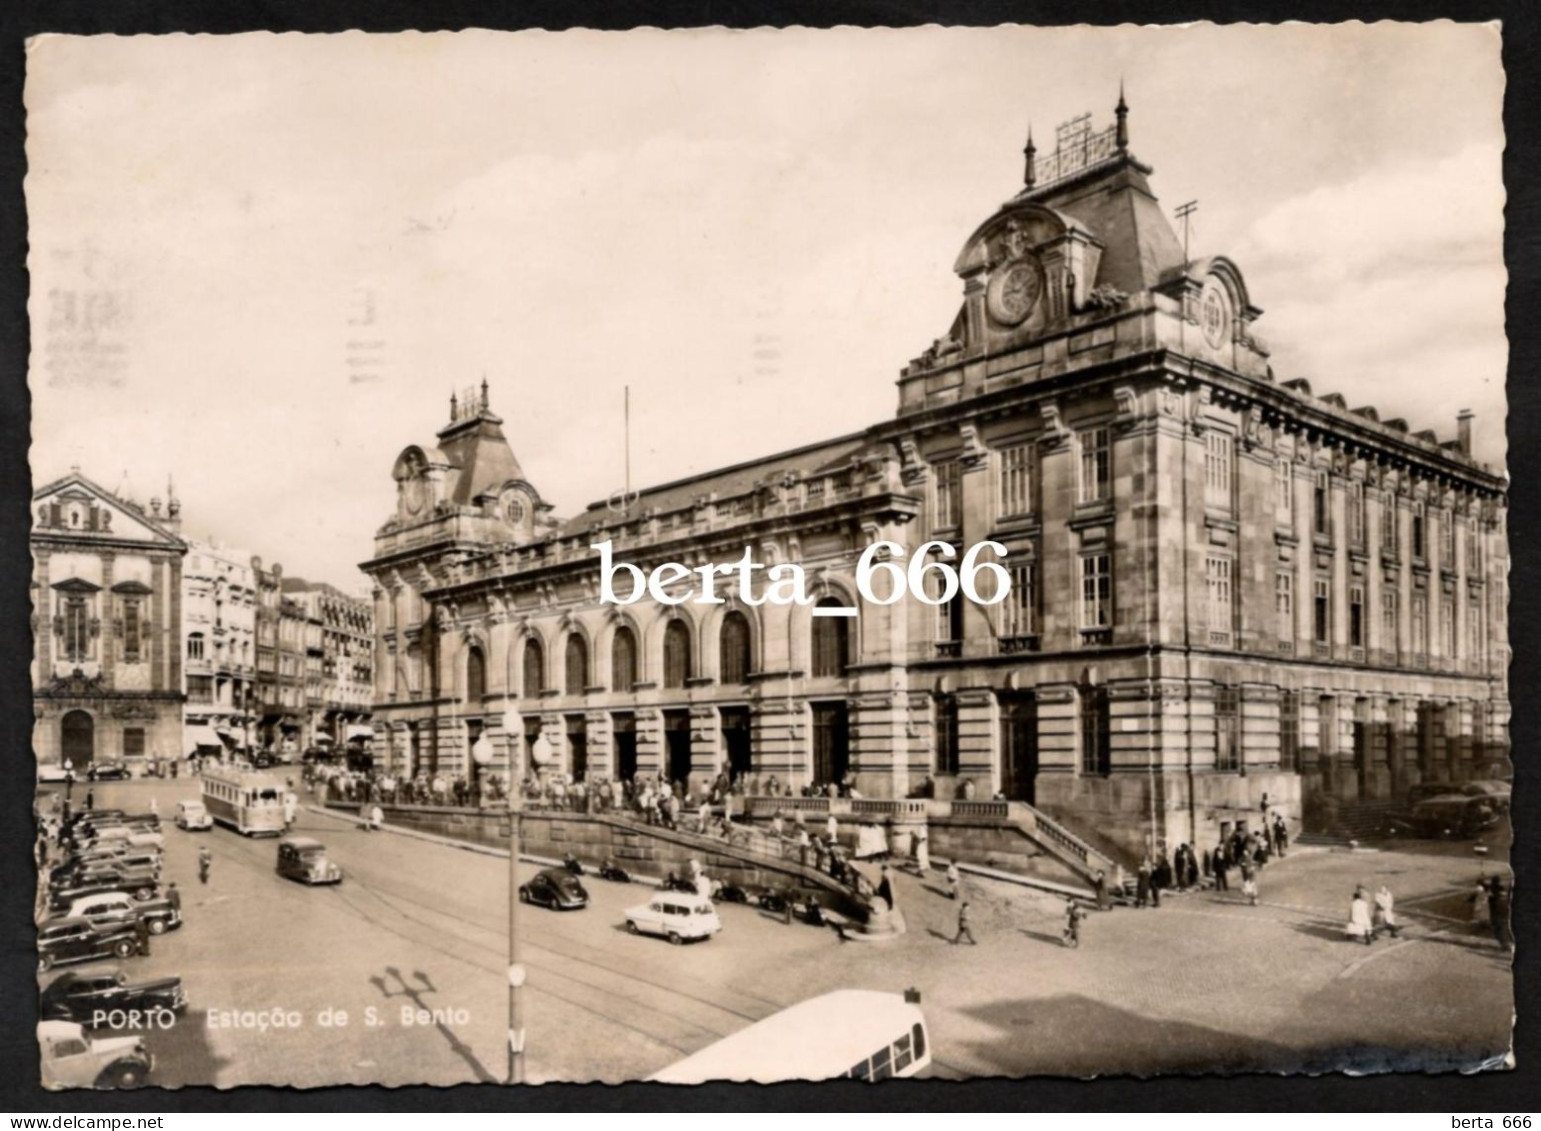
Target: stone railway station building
(1225, 585)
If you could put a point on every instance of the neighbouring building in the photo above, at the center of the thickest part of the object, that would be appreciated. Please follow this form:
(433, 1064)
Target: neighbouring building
(339, 654)
(1226, 587)
(219, 634)
(106, 624)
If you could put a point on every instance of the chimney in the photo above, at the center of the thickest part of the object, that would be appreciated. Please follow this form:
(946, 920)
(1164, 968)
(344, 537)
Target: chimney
(1463, 430)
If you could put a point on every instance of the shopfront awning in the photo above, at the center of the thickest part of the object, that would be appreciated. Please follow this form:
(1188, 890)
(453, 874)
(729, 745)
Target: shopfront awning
(360, 730)
(196, 736)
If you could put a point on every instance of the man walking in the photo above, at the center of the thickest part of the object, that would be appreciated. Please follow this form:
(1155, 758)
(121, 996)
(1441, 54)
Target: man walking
(1142, 884)
(1220, 866)
(952, 880)
(963, 927)
(174, 897)
(205, 860)
(1385, 913)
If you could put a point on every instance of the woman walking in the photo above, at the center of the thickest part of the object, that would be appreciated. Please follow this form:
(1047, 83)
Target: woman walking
(1359, 926)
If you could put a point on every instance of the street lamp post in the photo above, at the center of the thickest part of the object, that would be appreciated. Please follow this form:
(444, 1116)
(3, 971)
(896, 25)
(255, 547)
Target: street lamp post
(481, 754)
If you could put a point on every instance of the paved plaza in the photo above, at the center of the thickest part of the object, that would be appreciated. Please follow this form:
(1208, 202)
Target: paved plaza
(1203, 983)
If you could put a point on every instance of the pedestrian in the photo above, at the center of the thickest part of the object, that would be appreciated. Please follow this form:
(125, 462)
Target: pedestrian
(1073, 917)
(1191, 871)
(886, 887)
(1160, 879)
(174, 897)
(1100, 886)
(1281, 836)
(155, 807)
(1359, 926)
(963, 927)
(376, 818)
(291, 810)
(803, 846)
(1221, 865)
(1481, 906)
(952, 880)
(1142, 883)
(922, 853)
(1385, 912)
(1498, 913)
(90, 802)
(778, 827)
(1249, 885)
(832, 828)
(205, 860)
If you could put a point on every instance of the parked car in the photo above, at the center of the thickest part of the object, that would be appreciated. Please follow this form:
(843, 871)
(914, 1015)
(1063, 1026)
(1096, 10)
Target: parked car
(1497, 792)
(108, 771)
(141, 836)
(301, 858)
(1448, 815)
(676, 916)
(84, 997)
(192, 816)
(95, 817)
(131, 859)
(139, 884)
(556, 888)
(75, 940)
(158, 913)
(72, 1059)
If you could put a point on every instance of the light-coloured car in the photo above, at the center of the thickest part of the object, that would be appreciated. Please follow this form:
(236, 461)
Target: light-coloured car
(72, 1059)
(676, 916)
(192, 816)
(135, 835)
(52, 772)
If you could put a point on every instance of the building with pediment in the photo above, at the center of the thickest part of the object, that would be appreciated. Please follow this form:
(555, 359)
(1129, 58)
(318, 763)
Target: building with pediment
(107, 625)
(1228, 591)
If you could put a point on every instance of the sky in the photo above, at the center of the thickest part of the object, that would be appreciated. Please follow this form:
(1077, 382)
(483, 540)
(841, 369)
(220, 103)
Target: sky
(261, 264)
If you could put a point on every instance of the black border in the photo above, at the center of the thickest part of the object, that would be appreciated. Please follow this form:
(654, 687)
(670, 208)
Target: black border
(1494, 1092)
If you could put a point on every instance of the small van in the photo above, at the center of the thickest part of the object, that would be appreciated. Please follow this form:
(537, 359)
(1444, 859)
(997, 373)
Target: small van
(192, 816)
(301, 858)
(676, 916)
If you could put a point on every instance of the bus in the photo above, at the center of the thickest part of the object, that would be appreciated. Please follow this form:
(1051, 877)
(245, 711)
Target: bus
(860, 1034)
(250, 803)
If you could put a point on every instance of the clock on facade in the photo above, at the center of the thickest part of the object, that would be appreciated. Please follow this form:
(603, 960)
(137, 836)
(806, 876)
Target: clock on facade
(1214, 314)
(1014, 291)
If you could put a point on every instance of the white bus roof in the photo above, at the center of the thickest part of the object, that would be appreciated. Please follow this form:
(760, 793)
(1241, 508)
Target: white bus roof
(816, 1039)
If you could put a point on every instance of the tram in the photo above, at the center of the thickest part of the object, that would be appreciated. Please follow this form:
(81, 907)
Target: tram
(250, 803)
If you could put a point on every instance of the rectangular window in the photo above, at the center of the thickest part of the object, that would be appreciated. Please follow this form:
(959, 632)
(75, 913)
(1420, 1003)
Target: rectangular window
(1284, 494)
(949, 494)
(1284, 605)
(1473, 547)
(946, 735)
(1420, 615)
(131, 631)
(1096, 727)
(1219, 458)
(1227, 727)
(1094, 481)
(1356, 515)
(133, 742)
(1322, 612)
(1321, 506)
(1096, 591)
(1217, 579)
(1017, 609)
(1356, 616)
(1388, 620)
(1388, 524)
(1447, 628)
(1419, 548)
(1014, 486)
(1447, 539)
(1289, 731)
(949, 616)
(77, 629)
(1474, 630)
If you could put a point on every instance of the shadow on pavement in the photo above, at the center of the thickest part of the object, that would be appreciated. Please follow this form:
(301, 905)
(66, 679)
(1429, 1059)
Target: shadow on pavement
(416, 994)
(182, 1053)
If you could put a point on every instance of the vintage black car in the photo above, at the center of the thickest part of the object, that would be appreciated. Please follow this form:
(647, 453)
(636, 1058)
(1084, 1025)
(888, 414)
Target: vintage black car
(140, 884)
(556, 888)
(1453, 815)
(86, 998)
(107, 771)
(75, 940)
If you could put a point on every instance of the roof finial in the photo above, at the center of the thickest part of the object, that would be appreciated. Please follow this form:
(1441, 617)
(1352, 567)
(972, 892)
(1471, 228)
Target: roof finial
(485, 403)
(454, 408)
(1122, 113)
(1030, 174)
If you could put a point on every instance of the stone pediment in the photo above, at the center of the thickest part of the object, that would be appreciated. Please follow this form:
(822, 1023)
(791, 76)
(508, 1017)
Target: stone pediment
(75, 507)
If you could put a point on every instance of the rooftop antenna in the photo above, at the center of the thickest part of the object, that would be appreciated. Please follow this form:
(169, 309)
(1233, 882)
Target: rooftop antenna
(1184, 211)
(620, 502)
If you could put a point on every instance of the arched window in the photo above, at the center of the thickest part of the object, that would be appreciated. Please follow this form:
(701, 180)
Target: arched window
(534, 668)
(676, 654)
(733, 661)
(623, 660)
(831, 640)
(476, 676)
(577, 664)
